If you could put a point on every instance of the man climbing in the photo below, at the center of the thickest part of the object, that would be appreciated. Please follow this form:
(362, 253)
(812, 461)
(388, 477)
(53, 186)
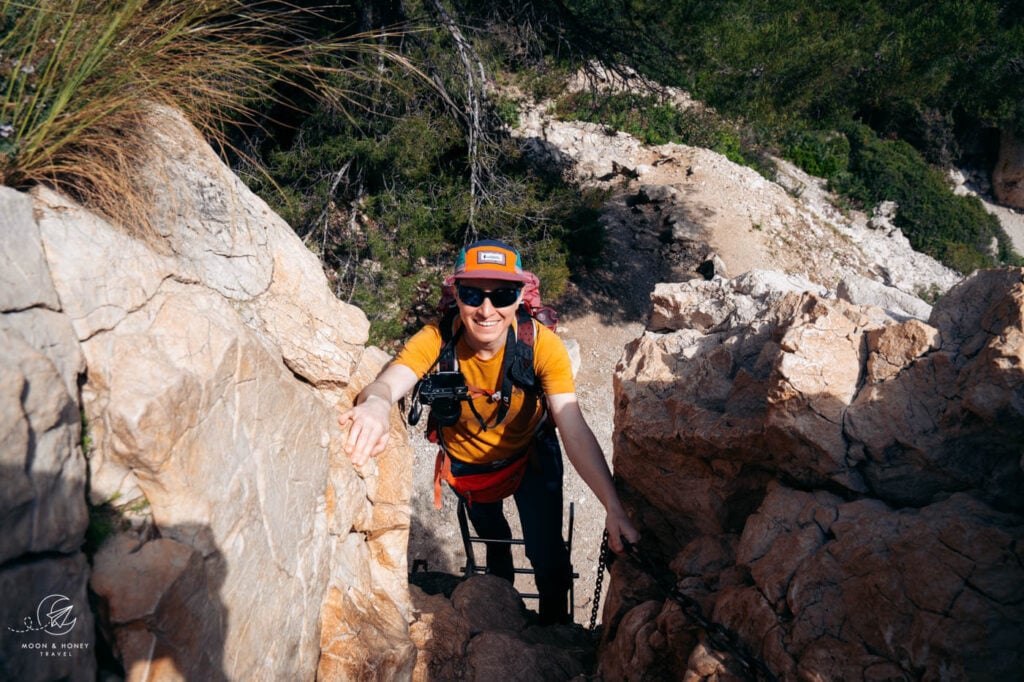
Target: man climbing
(497, 439)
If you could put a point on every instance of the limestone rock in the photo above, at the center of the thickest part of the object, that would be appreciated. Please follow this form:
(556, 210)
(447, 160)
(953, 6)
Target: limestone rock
(440, 635)
(897, 304)
(216, 360)
(482, 633)
(1008, 174)
(171, 624)
(497, 654)
(42, 490)
(487, 602)
(790, 453)
(24, 280)
(45, 616)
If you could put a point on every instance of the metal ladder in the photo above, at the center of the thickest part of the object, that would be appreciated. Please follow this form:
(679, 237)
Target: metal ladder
(472, 568)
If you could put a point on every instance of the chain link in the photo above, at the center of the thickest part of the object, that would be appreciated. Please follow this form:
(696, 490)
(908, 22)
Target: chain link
(602, 564)
(719, 637)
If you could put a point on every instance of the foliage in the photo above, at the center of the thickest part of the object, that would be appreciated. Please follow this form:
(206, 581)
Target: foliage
(930, 74)
(820, 153)
(954, 229)
(111, 517)
(78, 79)
(382, 192)
(885, 61)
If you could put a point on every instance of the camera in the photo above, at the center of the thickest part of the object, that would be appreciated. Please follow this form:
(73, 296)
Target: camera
(444, 391)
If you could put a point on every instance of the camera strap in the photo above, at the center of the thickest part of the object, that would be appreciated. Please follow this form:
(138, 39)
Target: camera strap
(516, 367)
(447, 361)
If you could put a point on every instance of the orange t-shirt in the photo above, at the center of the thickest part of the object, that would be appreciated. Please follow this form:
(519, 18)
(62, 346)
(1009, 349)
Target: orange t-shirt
(467, 440)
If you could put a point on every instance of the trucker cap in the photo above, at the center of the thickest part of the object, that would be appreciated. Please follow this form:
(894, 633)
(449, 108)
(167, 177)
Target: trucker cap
(489, 259)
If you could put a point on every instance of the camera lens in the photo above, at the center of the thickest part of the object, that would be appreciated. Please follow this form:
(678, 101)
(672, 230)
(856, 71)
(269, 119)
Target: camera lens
(446, 411)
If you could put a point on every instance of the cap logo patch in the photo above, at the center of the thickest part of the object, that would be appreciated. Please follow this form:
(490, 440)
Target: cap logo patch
(490, 257)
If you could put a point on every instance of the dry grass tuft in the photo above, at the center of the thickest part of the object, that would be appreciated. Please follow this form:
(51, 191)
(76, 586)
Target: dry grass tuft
(78, 78)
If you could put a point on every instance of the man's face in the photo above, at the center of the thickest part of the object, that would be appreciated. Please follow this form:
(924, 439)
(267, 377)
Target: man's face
(486, 324)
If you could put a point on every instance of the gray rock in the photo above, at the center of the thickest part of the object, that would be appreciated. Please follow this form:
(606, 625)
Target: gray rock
(897, 304)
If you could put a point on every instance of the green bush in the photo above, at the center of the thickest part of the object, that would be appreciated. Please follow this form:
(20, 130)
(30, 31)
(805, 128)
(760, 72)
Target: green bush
(507, 111)
(823, 154)
(385, 195)
(956, 230)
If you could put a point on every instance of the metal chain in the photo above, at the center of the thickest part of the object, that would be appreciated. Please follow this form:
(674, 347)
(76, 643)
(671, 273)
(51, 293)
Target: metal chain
(602, 564)
(718, 636)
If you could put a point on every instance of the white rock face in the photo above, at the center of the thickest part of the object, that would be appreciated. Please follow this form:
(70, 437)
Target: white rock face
(716, 208)
(42, 469)
(212, 358)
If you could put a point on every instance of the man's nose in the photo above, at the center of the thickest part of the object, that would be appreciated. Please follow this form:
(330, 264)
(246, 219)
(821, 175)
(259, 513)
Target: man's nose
(487, 307)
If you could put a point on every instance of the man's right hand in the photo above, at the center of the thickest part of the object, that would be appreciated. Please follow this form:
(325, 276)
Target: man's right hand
(369, 420)
(368, 429)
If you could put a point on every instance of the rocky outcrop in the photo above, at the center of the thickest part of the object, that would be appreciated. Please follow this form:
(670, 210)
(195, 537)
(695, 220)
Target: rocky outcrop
(211, 357)
(42, 468)
(841, 489)
(478, 629)
(686, 206)
(1008, 174)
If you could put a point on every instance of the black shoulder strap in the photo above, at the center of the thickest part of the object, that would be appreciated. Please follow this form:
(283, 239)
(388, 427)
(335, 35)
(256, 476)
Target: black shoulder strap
(521, 370)
(448, 360)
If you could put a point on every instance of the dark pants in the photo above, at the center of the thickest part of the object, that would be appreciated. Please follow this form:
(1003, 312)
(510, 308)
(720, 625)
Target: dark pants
(539, 501)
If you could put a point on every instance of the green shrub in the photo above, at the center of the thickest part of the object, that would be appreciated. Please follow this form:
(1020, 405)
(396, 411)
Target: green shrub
(822, 154)
(954, 229)
(385, 195)
(507, 111)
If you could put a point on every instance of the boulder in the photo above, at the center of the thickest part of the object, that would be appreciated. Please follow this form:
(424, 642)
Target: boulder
(44, 613)
(789, 453)
(897, 304)
(483, 633)
(212, 359)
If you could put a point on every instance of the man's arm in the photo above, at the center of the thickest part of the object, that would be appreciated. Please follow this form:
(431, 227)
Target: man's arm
(583, 450)
(369, 420)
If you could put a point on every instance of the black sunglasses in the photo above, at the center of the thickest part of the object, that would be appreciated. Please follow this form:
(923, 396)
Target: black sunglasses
(500, 298)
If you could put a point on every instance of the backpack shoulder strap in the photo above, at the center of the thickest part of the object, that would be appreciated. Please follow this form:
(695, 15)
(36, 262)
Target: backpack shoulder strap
(521, 371)
(448, 360)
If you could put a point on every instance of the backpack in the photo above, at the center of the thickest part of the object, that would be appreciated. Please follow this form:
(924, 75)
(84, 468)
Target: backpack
(486, 483)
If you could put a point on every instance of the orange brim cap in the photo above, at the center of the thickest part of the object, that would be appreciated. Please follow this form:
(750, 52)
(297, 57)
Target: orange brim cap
(489, 259)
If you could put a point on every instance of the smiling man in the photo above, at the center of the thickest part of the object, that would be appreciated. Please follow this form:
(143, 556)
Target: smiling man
(497, 436)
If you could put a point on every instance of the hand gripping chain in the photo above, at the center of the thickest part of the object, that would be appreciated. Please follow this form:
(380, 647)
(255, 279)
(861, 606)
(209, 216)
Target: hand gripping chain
(719, 637)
